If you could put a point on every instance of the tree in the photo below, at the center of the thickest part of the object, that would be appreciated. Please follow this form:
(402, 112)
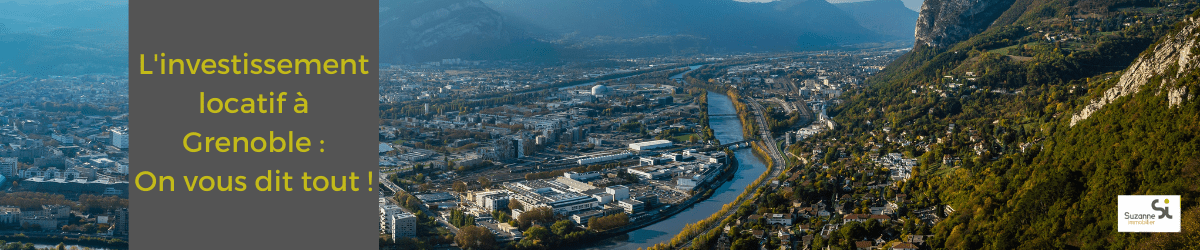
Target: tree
(608, 222)
(745, 244)
(460, 219)
(473, 237)
(515, 204)
(484, 182)
(536, 215)
(537, 233)
(385, 239)
(460, 186)
(853, 230)
(562, 228)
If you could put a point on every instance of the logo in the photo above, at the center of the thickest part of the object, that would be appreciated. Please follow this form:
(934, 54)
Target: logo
(1165, 210)
(1148, 213)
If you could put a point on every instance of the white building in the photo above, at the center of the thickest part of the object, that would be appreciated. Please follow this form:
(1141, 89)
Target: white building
(403, 225)
(10, 214)
(603, 158)
(492, 200)
(781, 219)
(650, 145)
(557, 196)
(63, 139)
(582, 176)
(120, 138)
(618, 192)
(385, 214)
(599, 90)
(603, 198)
(8, 167)
(574, 185)
(631, 206)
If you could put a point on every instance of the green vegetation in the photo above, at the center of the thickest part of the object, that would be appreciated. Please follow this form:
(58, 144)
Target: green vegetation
(608, 222)
(539, 215)
(475, 238)
(1027, 179)
(34, 200)
(428, 229)
(460, 219)
(779, 121)
(702, 239)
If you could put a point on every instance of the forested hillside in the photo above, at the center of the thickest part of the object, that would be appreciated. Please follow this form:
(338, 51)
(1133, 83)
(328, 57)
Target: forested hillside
(990, 118)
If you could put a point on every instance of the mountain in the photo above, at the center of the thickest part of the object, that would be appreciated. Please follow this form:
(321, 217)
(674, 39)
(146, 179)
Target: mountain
(886, 17)
(64, 38)
(721, 25)
(429, 30)
(943, 22)
(1030, 117)
(35, 17)
(1162, 71)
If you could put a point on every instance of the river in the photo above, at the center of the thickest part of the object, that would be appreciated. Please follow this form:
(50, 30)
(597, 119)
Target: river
(727, 128)
(690, 68)
(680, 76)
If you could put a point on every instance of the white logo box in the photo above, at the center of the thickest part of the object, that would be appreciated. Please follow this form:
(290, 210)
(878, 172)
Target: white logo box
(1149, 213)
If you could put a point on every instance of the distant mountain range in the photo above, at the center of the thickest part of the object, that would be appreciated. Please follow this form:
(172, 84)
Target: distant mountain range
(64, 39)
(425, 30)
(886, 17)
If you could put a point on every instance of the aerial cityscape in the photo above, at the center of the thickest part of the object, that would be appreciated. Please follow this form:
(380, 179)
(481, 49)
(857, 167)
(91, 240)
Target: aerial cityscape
(956, 140)
(64, 143)
(678, 124)
(64, 126)
(635, 149)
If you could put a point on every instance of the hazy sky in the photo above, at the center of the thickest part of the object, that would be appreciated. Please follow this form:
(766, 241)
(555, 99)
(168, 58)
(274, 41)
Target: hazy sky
(915, 5)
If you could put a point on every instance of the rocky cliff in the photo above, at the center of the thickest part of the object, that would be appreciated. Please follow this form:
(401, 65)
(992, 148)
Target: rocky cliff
(945, 22)
(1161, 67)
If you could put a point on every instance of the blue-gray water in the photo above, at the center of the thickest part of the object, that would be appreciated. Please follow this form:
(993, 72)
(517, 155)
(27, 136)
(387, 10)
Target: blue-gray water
(727, 129)
(690, 68)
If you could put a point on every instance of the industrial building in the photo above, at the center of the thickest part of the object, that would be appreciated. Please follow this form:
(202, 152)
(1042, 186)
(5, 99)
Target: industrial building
(585, 176)
(492, 199)
(557, 196)
(650, 145)
(603, 158)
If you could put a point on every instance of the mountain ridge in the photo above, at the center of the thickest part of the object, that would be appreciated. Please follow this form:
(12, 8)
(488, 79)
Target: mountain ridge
(886, 17)
(1054, 108)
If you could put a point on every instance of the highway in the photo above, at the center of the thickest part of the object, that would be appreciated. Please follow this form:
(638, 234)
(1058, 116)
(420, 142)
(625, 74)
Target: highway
(771, 146)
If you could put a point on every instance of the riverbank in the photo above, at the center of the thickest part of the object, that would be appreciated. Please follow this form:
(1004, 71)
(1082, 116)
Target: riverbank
(727, 174)
(726, 128)
(702, 233)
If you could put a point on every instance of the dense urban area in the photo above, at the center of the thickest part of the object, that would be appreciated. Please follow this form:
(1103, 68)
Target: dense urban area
(567, 155)
(63, 160)
(934, 147)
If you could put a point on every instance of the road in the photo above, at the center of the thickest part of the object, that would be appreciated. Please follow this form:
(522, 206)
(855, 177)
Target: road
(786, 106)
(764, 132)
